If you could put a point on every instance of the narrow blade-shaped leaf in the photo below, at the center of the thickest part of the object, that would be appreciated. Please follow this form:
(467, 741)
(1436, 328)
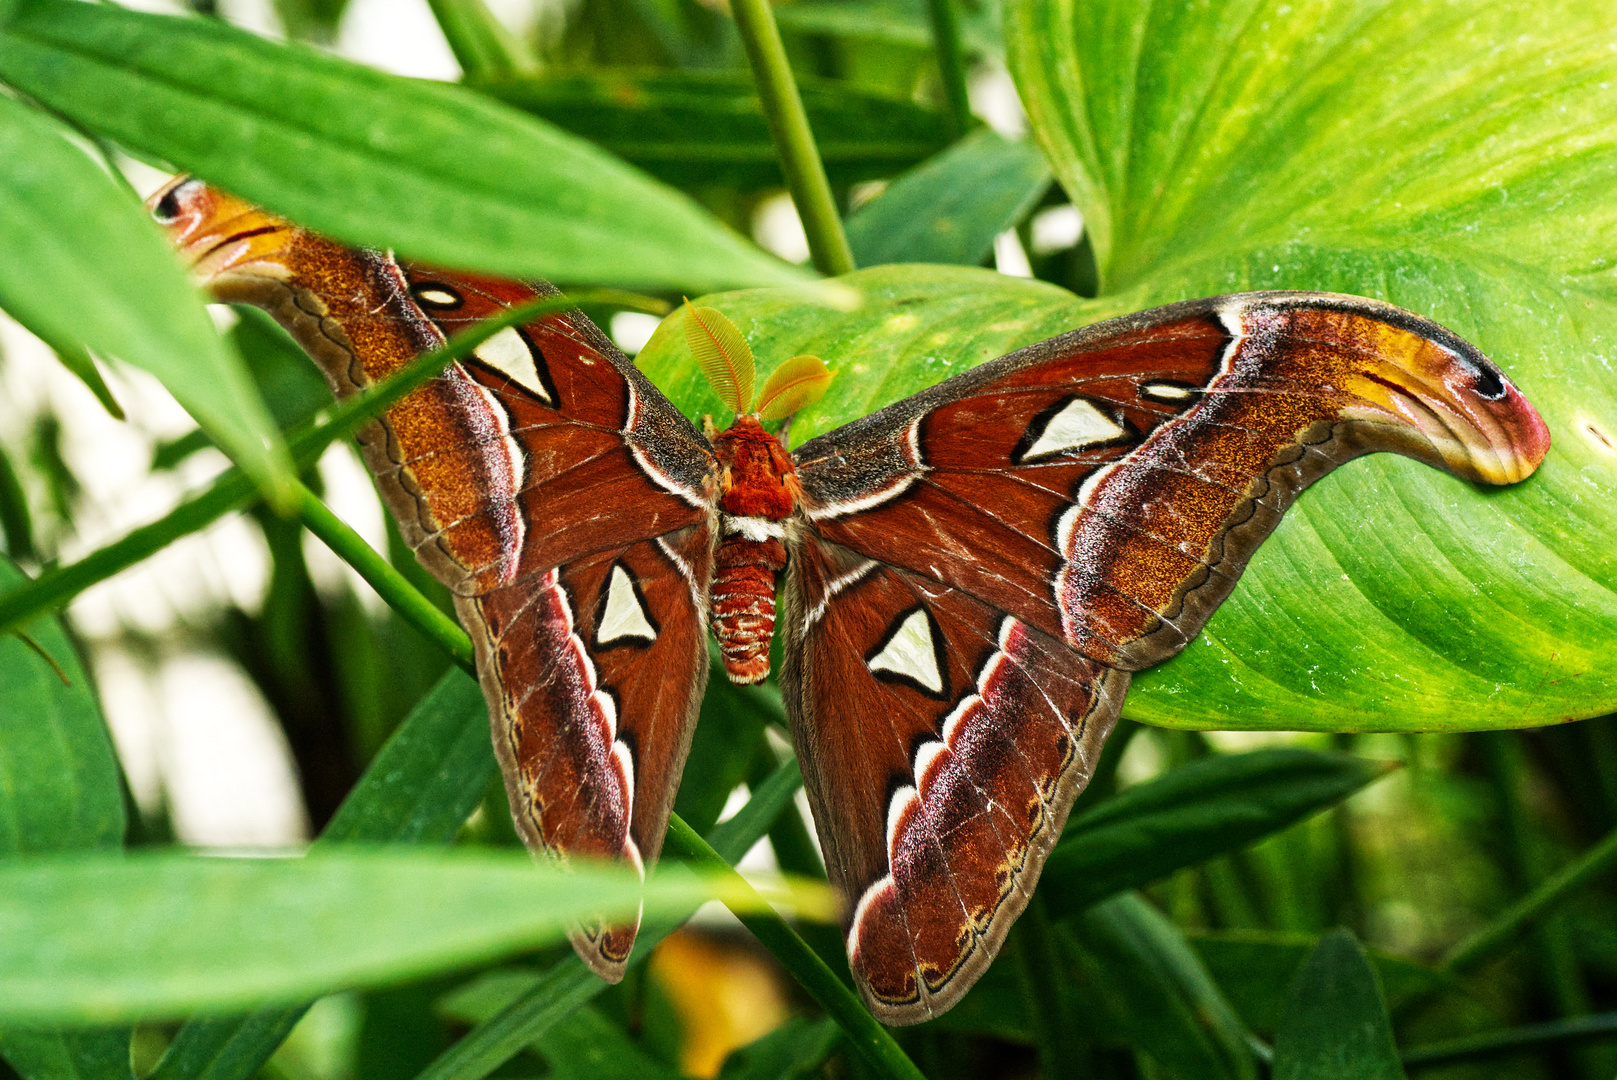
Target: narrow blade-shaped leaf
(85, 269)
(1159, 996)
(433, 170)
(1206, 808)
(93, 939)
(1336, 1021)
(694, 128)
(949, 208)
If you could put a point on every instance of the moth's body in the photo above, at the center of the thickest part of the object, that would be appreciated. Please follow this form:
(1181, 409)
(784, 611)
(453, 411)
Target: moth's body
(758, 494)
(971, 573)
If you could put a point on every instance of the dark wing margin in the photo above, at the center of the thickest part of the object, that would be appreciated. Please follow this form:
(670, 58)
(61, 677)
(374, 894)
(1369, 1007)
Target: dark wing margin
(943, 742)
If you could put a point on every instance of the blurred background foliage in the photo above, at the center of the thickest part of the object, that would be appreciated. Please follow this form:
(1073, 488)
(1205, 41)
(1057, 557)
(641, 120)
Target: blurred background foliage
(1184, 927)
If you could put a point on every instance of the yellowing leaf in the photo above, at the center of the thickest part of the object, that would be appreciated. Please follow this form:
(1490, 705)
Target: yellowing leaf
(800, 381)
(724, 355)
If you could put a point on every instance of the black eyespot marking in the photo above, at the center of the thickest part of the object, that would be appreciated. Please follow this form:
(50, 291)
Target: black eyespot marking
(436, 296)
(167, 210)
(1490, 384)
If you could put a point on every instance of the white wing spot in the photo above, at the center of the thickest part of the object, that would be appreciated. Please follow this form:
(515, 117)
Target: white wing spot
(623, 617)
(508, 353)
(1077, 426)
(1166, 392)
(911, 653)
(439, 297)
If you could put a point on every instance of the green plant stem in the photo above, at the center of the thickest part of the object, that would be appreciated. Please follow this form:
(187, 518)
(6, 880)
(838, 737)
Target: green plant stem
(951, 65)
(482, 45)
(16, 523)
(863, 1032)
(233, 490)
(1494, 1043)
(1506, 930)
(794, 141)
(390, 585)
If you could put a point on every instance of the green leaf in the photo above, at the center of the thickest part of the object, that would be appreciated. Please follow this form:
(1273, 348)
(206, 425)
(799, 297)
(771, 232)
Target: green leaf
(949, 208)
(1206, 808)
(790, 1051)
(1254, 969)
(1336, 1021)
(1453, 160)
(482, 45)
(78, 1055)
(725, 744)
(84, 268)
(430, 169)
(291, 384)
(420, 788)
(891, 22)
(59, 786)
(586, 1046)
(93, 939)
(700, 128)
(1160, 999)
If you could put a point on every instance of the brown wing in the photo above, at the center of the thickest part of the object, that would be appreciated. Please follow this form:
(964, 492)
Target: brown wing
(1108, 486)
(943, 742)
(980, 566)
(558, 494)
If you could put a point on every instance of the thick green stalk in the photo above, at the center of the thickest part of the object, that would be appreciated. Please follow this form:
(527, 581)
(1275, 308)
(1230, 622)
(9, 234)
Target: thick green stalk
(951, 65)
(794, 141)
(482, 45)
(233, 490)
(380, 574)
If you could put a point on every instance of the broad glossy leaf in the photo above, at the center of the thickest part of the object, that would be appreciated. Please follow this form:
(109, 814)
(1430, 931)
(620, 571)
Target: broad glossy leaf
(434, 170)
(101, 1054)
(1454, 159)
(1206, 808)
(88, 939)
(949, 208)
(84, 269)
(1392, 597)
(695, 128)
(59, 787)
(1160, 999)
(1254, 968)
(1336, 1021)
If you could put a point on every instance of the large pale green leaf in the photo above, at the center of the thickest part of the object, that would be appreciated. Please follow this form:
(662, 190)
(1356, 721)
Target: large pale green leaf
(84, 268)
(88, 939)
(1454, 158)
(707, 127)
(431, 169)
